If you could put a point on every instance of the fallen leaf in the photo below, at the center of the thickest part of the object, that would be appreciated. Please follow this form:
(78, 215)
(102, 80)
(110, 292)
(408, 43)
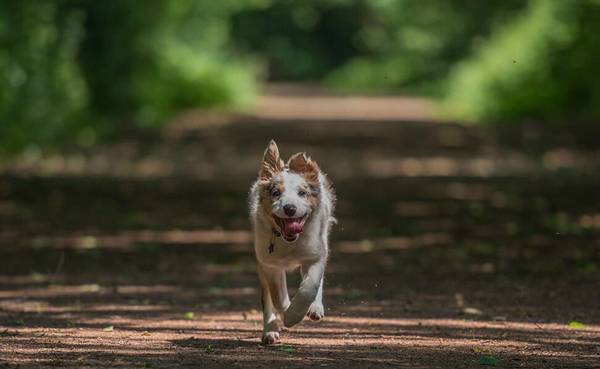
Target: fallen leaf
(483, 351)
(488, 360)
(189, 315)
(472, 311)
(210, 349)
(286, 348)
(110, 328)
(89, 287)
(37, 277)
(577, 325)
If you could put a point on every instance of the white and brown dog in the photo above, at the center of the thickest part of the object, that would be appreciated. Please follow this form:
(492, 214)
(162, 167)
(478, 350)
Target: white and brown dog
(291, 206)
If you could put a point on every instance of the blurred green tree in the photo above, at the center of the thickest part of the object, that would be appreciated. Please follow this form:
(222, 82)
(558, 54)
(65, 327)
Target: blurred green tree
(42, 91)
(543, 64)
(411, 46)
(78, 69)
(487, 60)
(367, 45)
(300, 40)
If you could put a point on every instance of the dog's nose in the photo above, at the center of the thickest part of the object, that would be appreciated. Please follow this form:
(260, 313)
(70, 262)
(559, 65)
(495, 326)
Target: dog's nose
(289, 209)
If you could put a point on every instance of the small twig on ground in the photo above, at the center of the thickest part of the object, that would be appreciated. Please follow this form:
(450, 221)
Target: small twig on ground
(61, 261)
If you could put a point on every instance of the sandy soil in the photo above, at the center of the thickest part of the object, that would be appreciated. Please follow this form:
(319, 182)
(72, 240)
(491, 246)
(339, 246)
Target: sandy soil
(454, 249)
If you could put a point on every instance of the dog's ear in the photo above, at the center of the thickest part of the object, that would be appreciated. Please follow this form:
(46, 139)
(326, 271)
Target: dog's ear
(302, 164)
(271, 163)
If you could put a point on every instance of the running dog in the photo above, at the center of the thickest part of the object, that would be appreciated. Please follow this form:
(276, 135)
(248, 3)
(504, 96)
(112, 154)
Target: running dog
(291, 206)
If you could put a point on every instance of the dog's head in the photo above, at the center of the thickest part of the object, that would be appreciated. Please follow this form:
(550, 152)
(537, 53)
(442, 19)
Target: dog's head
(289, 193)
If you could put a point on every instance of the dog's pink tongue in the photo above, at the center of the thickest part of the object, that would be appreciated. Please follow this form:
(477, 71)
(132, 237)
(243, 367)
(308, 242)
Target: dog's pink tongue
(293, 226)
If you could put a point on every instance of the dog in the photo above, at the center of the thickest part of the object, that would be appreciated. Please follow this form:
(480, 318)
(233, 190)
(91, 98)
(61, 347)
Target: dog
(291, 207)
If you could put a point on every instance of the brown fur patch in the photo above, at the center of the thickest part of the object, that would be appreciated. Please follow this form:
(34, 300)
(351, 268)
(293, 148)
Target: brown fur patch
(305, 166)
(309, 169)
(266, 201)
(312, 195)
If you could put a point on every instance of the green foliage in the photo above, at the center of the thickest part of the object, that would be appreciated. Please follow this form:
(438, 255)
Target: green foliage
(410, 46)
(167, 56)
(299, 39)
(42, 92)
(543, 64)
(487, 60)
(185, 79)
(366, 45)
(75, 70)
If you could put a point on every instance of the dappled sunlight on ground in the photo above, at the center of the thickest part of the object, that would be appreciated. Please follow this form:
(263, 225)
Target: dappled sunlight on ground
(131, 238)
(110, 335)
(314, 107)
(397, 315)
(451, 245)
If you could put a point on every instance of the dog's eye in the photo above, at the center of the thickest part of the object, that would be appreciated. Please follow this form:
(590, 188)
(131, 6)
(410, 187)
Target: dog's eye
(301, 193)
(276, 193)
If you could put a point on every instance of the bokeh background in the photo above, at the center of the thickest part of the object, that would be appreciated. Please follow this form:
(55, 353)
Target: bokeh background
(462, 137)
(80, 71)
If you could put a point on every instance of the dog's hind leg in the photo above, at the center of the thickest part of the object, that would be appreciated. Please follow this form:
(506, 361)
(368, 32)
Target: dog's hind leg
(307, 293)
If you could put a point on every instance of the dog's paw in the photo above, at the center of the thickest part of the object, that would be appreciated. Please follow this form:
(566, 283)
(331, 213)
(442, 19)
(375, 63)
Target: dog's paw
(271, 332)
(270, 338)
(316, 312)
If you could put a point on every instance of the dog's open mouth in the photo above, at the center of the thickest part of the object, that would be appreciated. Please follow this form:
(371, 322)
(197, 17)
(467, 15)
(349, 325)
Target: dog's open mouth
(290, 228)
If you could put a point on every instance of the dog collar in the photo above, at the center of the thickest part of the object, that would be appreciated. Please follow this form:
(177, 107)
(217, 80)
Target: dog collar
(274, 233)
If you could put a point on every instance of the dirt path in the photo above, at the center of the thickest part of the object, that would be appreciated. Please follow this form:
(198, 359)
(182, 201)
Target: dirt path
(453, 250)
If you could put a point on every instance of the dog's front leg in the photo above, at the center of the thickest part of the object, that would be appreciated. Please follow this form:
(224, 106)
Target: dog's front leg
(307, 293)
(274, 298)
(317, 310)
(276, 280)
